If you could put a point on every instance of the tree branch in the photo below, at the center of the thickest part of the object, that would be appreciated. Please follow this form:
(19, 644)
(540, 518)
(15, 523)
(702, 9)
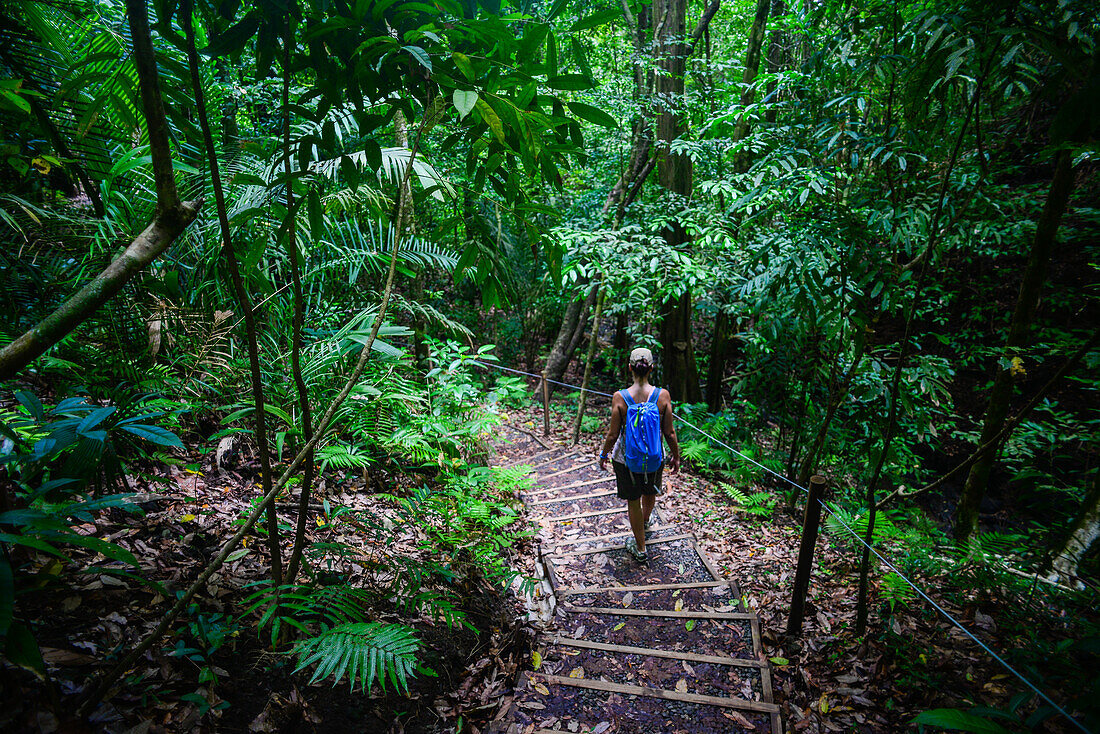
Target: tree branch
(1006, 431)
(172, 218)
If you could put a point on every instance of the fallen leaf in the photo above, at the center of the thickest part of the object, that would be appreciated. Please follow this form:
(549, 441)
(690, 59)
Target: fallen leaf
(577, 672)
(679, 605)
(619, 626)
(628, 598)
(682, 686)
(689, 625)
(536, 659)
(541, 688)
(780, 661)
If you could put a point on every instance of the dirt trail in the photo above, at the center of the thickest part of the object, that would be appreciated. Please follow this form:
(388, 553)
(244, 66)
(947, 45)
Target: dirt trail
(662, 647)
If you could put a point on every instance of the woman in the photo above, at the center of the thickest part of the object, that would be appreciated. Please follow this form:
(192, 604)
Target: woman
(639, 488)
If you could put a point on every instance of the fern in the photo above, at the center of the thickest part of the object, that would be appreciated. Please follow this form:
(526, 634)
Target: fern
(363, 651)
(757, 503)
(342, 456)
(895, 590)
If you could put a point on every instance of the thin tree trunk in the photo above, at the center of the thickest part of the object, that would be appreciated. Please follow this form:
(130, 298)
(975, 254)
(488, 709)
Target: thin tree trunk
(674, 172)
(777, 54)
(1082, 534)
(1027, 302)
(172, 217)
(753, 52)
(569, 337)
(243, 299)
(593, 342)
(299, 316)
(183, 602)
(809, 461)
(716, 371)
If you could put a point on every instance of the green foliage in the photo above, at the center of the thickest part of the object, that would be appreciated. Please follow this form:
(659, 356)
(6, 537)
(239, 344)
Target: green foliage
(760, 504)
(956, 720)
(365, 652)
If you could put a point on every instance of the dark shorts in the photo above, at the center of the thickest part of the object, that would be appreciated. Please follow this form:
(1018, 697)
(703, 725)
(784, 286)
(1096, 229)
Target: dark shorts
(632, 485)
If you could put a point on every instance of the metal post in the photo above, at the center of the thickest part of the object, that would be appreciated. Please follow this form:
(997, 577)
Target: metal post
(545, 405)
(811, 520)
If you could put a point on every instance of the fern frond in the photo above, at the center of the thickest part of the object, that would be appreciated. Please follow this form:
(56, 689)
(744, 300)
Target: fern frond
(365, 651)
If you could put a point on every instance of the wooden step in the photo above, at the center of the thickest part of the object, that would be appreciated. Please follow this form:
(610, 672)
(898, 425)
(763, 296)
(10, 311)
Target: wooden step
(572, 497)
(580, 515)
(575, 467)
(673, 655)
(646, 587)
(609, 687)
(665, 613)
(606, 548)
(574, 485)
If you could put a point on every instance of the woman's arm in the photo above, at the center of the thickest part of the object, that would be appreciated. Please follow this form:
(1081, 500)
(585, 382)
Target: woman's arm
(618, 408)
(668, 429)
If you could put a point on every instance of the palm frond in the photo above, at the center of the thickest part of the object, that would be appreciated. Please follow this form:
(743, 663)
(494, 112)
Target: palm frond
(363, 651)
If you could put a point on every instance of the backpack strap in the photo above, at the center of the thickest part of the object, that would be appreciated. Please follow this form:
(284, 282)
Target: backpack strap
(653, 396)
(626, 396)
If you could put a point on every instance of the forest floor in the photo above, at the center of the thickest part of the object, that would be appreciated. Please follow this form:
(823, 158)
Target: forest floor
(910, 660)
(827, 680)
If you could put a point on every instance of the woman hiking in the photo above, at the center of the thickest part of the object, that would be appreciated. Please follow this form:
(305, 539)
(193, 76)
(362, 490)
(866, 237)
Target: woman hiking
(640, 415)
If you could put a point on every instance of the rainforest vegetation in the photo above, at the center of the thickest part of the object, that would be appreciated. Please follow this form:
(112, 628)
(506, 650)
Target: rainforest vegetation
(262, 262)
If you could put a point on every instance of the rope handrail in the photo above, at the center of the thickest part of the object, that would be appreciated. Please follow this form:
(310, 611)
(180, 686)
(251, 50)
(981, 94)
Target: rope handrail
(677, 417)
(833, 512)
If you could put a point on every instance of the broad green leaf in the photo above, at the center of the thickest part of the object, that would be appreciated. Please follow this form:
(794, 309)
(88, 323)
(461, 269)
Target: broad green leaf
(464, 101)
(154, 434)
(569, 82)
(462, 61)
(420, 55)
(592, 114)
(596, 19)
(21, 649)
(489, 115)
(957, 720)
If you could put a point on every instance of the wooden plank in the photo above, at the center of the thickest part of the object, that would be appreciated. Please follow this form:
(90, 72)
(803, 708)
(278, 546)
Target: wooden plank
(532, 435)
(574, 485)
(580, 515)
(602, 685)
(705, 559)
(572, 497)
(765, 674)
(515, 462)
(664, 613)
(670, 654)
(560, 457)
(605, 548)
(626, 534)
(573, 468)
(644, 587)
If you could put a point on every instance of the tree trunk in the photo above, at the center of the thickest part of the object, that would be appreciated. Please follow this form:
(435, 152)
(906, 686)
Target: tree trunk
(172, 217)
(244, 301)
(716, 371)
(809, 462)
(1027, 302)
(752, 66)
(569, 336)
(593, 343)
(674, 171)
(777, 58)
(1082, 534)
(293, 253)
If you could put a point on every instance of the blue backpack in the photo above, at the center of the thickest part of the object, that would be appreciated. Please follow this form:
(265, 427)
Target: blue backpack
(642, 448)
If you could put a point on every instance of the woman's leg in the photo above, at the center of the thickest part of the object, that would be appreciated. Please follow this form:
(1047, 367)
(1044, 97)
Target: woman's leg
(637, 526)
(648, 501)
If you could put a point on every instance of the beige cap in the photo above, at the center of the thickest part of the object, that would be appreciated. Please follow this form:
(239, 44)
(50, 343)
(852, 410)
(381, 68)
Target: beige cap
(641, 354)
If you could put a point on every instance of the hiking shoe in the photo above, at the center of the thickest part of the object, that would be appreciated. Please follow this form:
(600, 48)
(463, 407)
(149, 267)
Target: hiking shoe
(648, 525)
(632, 548)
